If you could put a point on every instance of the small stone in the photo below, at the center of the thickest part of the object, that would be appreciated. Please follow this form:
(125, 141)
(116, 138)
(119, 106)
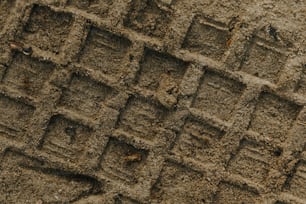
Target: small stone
(167, 91)
(27, 51)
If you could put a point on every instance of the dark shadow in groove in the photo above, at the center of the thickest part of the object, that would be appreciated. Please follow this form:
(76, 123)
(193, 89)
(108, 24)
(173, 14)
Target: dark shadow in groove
(96, 185)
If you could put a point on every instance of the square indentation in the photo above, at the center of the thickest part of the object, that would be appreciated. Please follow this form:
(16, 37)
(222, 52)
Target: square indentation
(47, 29)
(105, 52)
(25, 180)
(254, 161)
(27, 74)
(149, 17)
(232, 194)
(5, 8)
(97, 7)
(197, 140)
(298, 181)
(141, 118)
(273, 116)
(301, 86)
(123, 160)
(206, 38)
(218, 95)
(86, 95)
(179, 183)
(264, 62)
(156, 67)
(65, 138)
(14, 117)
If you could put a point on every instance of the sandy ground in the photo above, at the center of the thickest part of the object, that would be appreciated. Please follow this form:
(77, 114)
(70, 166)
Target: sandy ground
(152, 101)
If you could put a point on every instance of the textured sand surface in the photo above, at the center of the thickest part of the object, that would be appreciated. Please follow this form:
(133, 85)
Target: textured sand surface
(152, 101)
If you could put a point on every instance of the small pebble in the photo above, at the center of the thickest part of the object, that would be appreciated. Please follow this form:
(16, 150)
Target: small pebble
(16, 45)
(27, 51)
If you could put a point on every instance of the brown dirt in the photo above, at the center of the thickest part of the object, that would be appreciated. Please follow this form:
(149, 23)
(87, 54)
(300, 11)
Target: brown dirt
(153, 101)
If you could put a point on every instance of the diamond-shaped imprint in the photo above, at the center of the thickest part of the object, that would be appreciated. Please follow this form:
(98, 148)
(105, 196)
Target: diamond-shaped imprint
(218, 95)
(141, 118)
(207, 38)
(105, 52)
(86, 95)
(162, 73)
(149, 17)
(264, 62)
(123, 160)
(65, 138)
(197, 141)
(179, 183)
(254, 161)
(14, 118)
(47, 29)
(274, 116)
(28, 74)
